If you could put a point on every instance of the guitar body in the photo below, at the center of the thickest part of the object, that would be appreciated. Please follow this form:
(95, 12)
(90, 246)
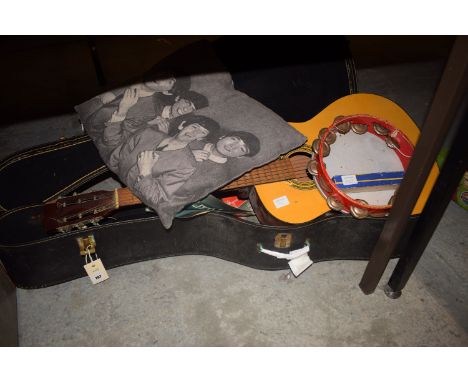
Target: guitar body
(298, 201)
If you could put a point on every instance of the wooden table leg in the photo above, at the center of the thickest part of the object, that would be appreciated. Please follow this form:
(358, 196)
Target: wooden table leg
(453, 169)
(444, 107)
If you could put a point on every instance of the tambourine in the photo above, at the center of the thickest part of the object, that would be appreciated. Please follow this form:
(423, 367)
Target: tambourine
(387, 149)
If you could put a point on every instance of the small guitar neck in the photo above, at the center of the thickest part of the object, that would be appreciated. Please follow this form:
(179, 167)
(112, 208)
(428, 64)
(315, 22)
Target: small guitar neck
(124, 197)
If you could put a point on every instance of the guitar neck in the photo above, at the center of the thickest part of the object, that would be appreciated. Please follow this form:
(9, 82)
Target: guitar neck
(281, 169)
(124, 197)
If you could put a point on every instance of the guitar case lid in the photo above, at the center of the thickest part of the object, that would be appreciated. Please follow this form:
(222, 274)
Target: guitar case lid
(296, 77)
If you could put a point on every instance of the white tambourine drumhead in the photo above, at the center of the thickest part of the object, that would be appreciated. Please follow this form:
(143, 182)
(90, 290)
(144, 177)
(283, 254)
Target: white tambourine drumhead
(353, 154)
(359, 172)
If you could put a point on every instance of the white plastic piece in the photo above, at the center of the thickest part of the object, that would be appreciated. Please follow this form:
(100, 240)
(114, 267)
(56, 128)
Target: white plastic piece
(299, 259)
(288, 256)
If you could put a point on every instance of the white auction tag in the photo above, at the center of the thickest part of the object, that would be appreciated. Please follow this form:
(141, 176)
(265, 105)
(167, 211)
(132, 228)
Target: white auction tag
(349, 179)
(96, 271)
(282, 201)
(300, 264)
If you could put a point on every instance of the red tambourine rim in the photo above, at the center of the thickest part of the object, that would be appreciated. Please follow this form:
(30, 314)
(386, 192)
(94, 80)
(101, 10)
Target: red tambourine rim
(404, 153)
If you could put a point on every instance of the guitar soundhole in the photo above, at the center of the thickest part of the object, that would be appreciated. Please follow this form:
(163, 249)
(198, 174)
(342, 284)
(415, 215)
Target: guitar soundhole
(299, 160)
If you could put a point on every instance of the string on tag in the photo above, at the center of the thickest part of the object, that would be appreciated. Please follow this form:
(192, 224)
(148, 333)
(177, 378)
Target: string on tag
(88, 253)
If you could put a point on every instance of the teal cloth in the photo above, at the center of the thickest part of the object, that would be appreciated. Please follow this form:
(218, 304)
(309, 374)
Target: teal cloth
(209, 204)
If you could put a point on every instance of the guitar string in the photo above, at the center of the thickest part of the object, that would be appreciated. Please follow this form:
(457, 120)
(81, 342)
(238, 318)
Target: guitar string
(128, 197)
(273, 176)
(282, 175)
(264, 174)
(272, 172)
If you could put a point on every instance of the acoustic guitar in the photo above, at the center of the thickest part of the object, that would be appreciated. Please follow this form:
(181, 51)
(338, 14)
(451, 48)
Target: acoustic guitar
(298, 200)
(284, 189)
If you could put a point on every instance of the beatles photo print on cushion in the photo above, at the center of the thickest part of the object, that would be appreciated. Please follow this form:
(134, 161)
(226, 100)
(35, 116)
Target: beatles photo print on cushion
(182, 131)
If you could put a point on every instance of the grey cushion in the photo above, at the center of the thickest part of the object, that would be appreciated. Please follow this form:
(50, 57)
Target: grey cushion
(152, 149)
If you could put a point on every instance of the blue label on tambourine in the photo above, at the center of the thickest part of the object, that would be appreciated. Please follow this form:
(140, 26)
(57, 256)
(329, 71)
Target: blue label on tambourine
(368, 180)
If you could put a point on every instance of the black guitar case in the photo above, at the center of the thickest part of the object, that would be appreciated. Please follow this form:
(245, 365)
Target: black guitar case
(34, 259)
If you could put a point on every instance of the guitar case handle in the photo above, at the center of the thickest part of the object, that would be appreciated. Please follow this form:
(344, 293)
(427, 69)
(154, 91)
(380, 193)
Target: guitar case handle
(298, 259)
(288, 256)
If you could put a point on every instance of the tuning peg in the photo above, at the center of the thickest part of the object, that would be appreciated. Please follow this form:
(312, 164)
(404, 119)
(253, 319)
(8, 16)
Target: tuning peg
(64, 229)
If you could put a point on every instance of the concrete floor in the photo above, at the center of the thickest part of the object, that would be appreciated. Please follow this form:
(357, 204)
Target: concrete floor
(203, 301)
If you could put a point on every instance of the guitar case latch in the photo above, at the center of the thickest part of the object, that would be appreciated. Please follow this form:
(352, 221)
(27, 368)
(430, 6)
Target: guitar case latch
(86, 244)
(283, 240)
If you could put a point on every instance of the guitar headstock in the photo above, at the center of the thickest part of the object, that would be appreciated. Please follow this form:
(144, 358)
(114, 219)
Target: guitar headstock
(77, 211)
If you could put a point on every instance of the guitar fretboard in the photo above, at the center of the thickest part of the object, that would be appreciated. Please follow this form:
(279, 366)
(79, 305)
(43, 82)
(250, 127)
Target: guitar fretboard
(281, 169)
(126, 198)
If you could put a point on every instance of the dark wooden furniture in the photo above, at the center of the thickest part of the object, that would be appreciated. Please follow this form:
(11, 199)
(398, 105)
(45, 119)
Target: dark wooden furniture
(448, 110)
